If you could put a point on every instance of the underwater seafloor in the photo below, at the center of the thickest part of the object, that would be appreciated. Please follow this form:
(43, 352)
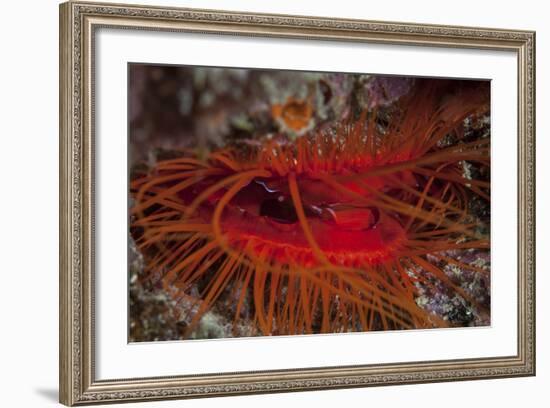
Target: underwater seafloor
(173, 108)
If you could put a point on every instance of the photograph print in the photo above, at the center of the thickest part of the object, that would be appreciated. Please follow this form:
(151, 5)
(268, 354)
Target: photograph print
(273, 202)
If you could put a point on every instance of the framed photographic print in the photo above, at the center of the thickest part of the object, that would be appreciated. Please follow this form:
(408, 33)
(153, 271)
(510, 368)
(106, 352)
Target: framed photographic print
(260, 203)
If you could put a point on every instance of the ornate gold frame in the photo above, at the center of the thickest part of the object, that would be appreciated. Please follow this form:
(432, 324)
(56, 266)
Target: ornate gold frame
(78, 22)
